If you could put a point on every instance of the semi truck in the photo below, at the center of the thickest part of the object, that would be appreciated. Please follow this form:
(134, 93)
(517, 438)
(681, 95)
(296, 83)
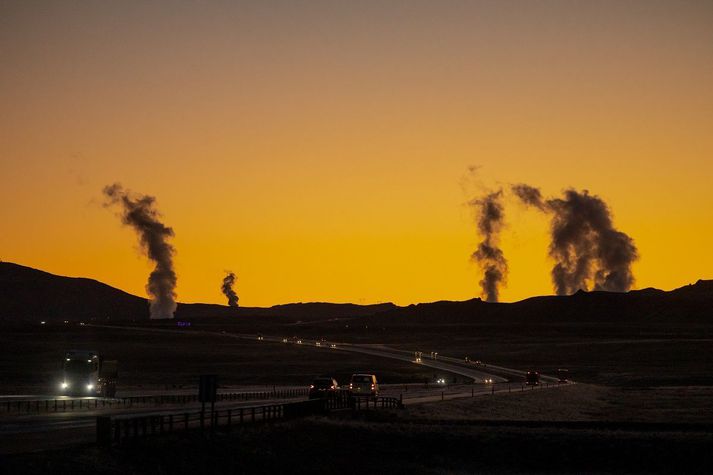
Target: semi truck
(88, 373)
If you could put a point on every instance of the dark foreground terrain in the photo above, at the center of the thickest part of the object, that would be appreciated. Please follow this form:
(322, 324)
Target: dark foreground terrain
(32, 359)
(642, 361)
(552, 431)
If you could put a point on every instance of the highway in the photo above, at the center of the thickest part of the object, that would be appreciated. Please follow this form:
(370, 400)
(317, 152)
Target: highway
(455, 366)
(21, 430)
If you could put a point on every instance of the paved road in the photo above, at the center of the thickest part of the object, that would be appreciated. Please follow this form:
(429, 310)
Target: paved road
(478, 374)
(18, 432)
(23, 432)
(138, 393)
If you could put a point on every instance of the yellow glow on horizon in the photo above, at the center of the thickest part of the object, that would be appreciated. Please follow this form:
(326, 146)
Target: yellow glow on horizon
(318, 151)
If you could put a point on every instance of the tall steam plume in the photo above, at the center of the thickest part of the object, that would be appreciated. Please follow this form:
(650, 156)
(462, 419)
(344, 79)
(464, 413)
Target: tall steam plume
(228, 291)
(586, 247)
(138, 211)
(489, 256)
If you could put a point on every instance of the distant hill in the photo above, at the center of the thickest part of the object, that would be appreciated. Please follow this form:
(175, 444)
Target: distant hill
(28, 294)
(690, 303)
(312, 311)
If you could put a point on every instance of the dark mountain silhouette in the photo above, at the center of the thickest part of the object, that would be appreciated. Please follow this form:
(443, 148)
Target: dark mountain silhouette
(28, 294)
(288, 312)
(692, 303)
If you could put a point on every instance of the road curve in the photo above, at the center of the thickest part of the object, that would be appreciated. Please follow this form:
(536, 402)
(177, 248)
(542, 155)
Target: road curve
(452, 365)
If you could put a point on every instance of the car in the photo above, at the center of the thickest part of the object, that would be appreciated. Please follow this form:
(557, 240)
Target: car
(562, 375)
(299, 342)
(441, 381)
(323, 388)
(333, 345)
(488, 380)
(284, 340)
(259, 337)
(364, 385)
(319, 343)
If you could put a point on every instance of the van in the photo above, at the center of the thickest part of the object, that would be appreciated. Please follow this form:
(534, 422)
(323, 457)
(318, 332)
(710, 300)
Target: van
(364, 385)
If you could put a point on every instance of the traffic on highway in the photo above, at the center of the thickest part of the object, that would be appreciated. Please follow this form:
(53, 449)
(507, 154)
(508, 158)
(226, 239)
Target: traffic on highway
(90, 387)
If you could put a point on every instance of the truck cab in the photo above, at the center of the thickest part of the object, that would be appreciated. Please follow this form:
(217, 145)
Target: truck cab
(86, 373)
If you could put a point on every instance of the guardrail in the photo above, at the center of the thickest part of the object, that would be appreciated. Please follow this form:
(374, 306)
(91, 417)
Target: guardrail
(342, 399)
(121, 429)
(72, 404)
(118, 430)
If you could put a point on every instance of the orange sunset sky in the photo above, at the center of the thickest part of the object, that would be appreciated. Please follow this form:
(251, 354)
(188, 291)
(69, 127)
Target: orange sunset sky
(320, 149)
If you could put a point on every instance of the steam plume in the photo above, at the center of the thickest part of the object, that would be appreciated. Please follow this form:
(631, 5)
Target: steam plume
(228, 291)
(489, 256)
(529, 195)
(586, 247)
(138, 211)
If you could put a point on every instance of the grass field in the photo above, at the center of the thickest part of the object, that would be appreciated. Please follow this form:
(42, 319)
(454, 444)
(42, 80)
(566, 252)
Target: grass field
(32, 359)
(579, 402)
(652, 354)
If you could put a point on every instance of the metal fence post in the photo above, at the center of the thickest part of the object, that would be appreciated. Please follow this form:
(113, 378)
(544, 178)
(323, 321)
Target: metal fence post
(117, 432)
(104, 431)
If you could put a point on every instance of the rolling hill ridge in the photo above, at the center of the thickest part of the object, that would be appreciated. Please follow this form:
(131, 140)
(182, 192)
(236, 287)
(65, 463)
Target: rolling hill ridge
(30, 295)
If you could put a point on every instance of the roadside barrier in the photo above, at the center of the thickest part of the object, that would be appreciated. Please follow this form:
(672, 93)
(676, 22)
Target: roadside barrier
(117, 430)
(72, 404)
